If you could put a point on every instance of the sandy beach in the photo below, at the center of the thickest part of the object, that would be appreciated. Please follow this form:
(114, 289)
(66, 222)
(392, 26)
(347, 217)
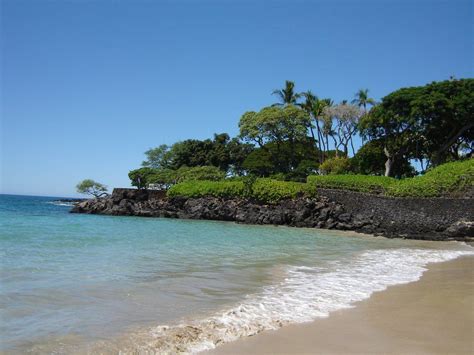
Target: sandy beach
(432, 316)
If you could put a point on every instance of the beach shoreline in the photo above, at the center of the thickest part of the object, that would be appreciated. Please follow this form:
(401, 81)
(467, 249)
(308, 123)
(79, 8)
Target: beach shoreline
(433, 315)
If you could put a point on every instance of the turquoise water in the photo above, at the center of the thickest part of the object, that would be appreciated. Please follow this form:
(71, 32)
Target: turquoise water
(74, 283)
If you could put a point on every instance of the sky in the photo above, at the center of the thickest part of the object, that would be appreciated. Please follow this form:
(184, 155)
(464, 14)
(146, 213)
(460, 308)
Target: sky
(88, 85)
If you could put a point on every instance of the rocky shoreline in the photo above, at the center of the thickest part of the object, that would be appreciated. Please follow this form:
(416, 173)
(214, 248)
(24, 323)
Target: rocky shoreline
(430, 219)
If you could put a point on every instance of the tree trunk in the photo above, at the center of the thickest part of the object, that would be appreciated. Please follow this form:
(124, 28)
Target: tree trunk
(352, 146)
(388, 163)
(327, 144)
(336, 146)
(321, 152)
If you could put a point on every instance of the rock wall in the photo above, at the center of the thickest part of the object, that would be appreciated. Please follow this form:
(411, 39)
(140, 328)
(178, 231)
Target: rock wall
(433, 219)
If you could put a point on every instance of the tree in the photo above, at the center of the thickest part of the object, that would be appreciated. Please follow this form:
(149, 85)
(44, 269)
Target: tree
(336, 166)
(159, 157)
(211, 173)
(274, 158)
(222, 152)
(276, 124)
(238, 152)
(393, 124)
(312, 105)
(142, 177)
(362, 99)
(370, 160)
(91, 187)
(344, 119)
(446, 114)
(287, 95)
(259, 162)
(327, 124)
(427, 122)
(164, 178)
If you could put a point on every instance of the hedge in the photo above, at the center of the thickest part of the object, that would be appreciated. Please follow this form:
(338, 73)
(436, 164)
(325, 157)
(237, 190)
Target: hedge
(269, 190)
(360, 183)
(447, 179)
(264, 190)
(224, 188)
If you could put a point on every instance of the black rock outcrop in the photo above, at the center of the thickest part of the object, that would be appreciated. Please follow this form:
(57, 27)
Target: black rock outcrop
(432, 219)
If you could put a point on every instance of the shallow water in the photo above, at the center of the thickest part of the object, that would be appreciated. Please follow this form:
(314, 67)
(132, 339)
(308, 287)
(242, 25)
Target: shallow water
(77, 283)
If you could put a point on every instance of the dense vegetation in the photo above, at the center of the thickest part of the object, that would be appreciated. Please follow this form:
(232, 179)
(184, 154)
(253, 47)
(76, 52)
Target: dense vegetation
(302, 137)
(447, 179)
(264, 189)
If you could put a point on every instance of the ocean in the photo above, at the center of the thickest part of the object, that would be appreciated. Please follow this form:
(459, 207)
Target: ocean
(73, 283)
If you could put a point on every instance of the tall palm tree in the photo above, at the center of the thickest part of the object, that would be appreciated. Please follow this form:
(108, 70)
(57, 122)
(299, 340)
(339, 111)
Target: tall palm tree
(309, 106)
(362, 99)
(315, 107)
(327, 129)
(287, 95)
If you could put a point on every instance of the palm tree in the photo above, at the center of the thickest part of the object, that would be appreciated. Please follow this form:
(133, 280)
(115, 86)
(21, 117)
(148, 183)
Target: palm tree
(362, 99)
(315, 107)
(287, 95)
(327, 129)
(309, 106)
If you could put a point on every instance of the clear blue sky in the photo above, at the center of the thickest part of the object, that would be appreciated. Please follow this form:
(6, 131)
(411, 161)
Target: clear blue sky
(88, 86)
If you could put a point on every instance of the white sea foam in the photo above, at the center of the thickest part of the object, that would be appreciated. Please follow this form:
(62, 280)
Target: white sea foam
(304, 295)
(58, 203)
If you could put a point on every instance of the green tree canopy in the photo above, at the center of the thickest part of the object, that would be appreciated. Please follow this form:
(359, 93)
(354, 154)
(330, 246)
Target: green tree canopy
(370, 160)
(141, 177)
(159, 157)
(287, 95)
(427, 122)
(222, 152)
(91, 187)
(163, 178)
(274, 158)
(362, 99)
(274, 124)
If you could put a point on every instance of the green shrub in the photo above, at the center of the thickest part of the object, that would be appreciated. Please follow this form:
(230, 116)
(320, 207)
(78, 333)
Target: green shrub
(361, 183)
(202, 188)
(264, 190)
(446, 179)
(269, 190)
(335, 166)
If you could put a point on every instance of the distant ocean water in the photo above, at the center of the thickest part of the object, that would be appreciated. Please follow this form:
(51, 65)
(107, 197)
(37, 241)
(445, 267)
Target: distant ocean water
(84, 283)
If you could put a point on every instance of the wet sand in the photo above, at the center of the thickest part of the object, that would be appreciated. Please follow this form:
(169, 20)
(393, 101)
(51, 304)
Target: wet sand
(432, 316)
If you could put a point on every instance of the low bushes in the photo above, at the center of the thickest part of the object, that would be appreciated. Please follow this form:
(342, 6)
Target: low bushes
(361, 183)
(223, 188)
(265, 190)
(447, 179)
(269, 190)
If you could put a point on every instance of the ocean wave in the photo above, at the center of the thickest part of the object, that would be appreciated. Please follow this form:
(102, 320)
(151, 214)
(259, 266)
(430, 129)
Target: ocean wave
(305, 294)
(58, 203)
